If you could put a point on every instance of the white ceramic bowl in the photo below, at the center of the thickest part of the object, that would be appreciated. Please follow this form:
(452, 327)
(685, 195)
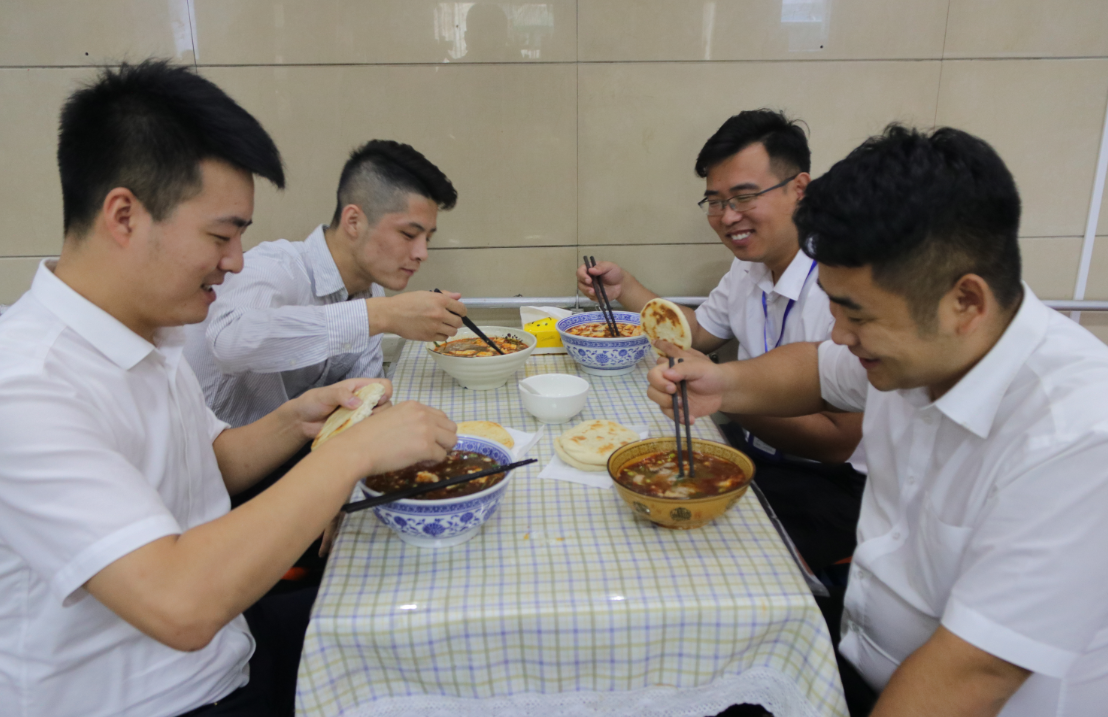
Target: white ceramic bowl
(482, 373)
(561, 396)
(604, 356)
(448, 521)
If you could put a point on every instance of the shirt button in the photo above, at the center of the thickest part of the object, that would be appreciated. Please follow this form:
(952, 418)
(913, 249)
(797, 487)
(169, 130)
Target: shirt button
(346, 347)
(896, 535)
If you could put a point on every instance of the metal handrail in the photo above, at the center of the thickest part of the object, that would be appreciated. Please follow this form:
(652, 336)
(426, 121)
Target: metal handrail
(580, 302)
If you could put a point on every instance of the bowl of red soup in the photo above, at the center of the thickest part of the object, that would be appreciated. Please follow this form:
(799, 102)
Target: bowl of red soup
(590, 343)
(476, 365)
(647, 478)
(453, 515)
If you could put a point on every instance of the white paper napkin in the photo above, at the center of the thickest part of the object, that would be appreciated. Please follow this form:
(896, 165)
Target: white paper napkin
(524, 442)
(557, 469)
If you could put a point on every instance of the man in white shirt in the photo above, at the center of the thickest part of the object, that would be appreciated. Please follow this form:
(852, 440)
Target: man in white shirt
(756, 169)
(977, 587)
(123, 572)
(306, 314)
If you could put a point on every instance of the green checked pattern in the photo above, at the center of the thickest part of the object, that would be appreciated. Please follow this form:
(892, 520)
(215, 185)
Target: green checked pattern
(563, 591)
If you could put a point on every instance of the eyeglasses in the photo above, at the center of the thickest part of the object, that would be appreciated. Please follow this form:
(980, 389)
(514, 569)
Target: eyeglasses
(739, 202)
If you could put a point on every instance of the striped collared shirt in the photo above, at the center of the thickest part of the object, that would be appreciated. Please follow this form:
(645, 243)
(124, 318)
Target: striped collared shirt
(284, 325)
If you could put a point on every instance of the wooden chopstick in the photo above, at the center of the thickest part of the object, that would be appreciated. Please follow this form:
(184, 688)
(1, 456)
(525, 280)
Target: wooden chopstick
(428, 487)
(677, 430)
(602, 299)
(473, 327)
(688, 431)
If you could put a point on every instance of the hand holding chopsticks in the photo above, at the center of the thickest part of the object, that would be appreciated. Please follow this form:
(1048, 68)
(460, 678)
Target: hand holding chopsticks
(428, 487)
(678, 415)
(476, 331)
(602, 299)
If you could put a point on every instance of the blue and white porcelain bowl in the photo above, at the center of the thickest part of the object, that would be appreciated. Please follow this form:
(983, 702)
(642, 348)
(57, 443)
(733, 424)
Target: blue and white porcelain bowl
(449, 521)
(604, 356)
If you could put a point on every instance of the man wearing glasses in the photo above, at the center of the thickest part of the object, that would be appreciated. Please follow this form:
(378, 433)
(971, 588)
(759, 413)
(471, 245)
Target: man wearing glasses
(756, 169)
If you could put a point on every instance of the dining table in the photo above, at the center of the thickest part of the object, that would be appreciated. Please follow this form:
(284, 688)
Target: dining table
(566, 602)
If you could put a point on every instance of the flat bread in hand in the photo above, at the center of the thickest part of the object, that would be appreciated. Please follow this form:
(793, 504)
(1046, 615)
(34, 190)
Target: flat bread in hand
(588, 445)
(487, 429)
(663, 319)
(344, 418)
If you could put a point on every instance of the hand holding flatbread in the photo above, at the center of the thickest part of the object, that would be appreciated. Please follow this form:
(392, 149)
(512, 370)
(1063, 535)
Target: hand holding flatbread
(487, 429)
(588, 445)
(662, 319)
(344, 418)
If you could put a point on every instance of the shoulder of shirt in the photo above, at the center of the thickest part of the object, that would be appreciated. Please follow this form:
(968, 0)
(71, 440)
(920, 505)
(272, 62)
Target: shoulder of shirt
(260, 263)
(28, 332)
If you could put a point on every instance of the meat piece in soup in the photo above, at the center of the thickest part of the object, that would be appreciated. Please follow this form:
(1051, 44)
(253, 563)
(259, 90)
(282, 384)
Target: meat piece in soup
(599, 330)
(457, 463)
(655, 475)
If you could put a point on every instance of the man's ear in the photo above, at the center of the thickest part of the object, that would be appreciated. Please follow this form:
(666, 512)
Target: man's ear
(352, 221)
(970, 302)
(120, 213)
(802, 180)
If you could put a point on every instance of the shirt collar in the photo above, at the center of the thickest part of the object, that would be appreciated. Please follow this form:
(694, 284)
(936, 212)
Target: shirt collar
(326, 278)
(106, 333)
(792, 281)
(973, 402)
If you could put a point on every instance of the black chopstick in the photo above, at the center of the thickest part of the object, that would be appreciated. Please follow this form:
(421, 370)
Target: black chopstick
(677, 430)
(688, 431)
(428, 487)
(473, 327)
(602, 299)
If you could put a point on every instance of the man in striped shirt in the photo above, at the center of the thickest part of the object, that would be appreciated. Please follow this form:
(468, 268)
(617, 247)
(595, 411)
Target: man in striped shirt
(308, 314)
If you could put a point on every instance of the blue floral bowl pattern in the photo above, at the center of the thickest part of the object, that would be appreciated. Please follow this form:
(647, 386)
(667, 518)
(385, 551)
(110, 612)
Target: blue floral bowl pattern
(451, 521)
(606, 356)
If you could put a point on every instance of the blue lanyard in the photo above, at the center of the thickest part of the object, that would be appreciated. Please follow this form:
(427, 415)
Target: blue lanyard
(784, 318)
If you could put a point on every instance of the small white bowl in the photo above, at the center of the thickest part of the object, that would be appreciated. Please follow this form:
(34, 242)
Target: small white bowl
(483, 373)
(560, 396)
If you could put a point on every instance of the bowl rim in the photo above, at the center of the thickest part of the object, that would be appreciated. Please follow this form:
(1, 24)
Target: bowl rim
(670, 499)
(622, 317)
(530, 339)
(483, 493)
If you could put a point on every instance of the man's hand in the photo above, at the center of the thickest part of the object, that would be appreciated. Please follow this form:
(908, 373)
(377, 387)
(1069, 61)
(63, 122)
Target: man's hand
(312, 408)
(396, 437)
(610, 274)
(417, 315)
(706, 382)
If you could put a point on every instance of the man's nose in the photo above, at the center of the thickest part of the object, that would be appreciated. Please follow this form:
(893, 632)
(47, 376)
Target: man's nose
(232, 260)
(731, 216)
(419, 250)
(841, 333)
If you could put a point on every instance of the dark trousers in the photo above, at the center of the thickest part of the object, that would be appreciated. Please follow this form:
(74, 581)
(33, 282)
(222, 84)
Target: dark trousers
(860, 697)
(817, 503)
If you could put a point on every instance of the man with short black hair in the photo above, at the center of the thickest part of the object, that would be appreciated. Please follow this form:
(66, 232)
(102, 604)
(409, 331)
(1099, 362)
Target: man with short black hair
(307, 314)
(123, 572)
(756, 169)
(982, 529)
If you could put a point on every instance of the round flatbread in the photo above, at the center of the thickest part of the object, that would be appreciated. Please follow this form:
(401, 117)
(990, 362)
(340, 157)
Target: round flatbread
(663, 319)
(572, 463)
(344, 418)
(591, 443)
(487, 429)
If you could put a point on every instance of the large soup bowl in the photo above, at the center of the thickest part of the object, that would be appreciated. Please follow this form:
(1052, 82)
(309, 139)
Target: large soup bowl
(447, 521)
(483, 373)
(679, 513)
(605, 356)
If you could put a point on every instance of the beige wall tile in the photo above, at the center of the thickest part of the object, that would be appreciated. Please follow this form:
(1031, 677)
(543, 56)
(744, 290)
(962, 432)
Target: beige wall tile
(244, 32)
(525, 271)
(30, 191)
(1027, 28)
(1097, 323)
(504, 134)
(642, 125)
(760, 30)
(1102, 220)
(668, 269)
(72, 32)
(1097, 286)
(1045, 118)
(16, 274)
(1050, 265)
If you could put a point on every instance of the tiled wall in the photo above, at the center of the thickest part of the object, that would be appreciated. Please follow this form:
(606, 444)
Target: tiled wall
(572, 125)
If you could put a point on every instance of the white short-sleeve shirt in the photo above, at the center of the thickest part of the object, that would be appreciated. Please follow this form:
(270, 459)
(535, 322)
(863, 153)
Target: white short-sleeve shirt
(283, 325)
(105, 446)
(986, 511)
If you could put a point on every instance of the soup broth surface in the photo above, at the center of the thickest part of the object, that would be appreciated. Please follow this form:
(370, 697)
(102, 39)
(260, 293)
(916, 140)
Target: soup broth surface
(599, 330)
(655, 475)
(457, 463)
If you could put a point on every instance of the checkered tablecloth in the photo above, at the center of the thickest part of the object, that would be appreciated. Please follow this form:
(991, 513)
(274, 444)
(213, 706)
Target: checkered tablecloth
(565, 603)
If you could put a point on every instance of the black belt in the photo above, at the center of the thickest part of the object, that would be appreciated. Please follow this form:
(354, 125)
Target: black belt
(203, 709)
